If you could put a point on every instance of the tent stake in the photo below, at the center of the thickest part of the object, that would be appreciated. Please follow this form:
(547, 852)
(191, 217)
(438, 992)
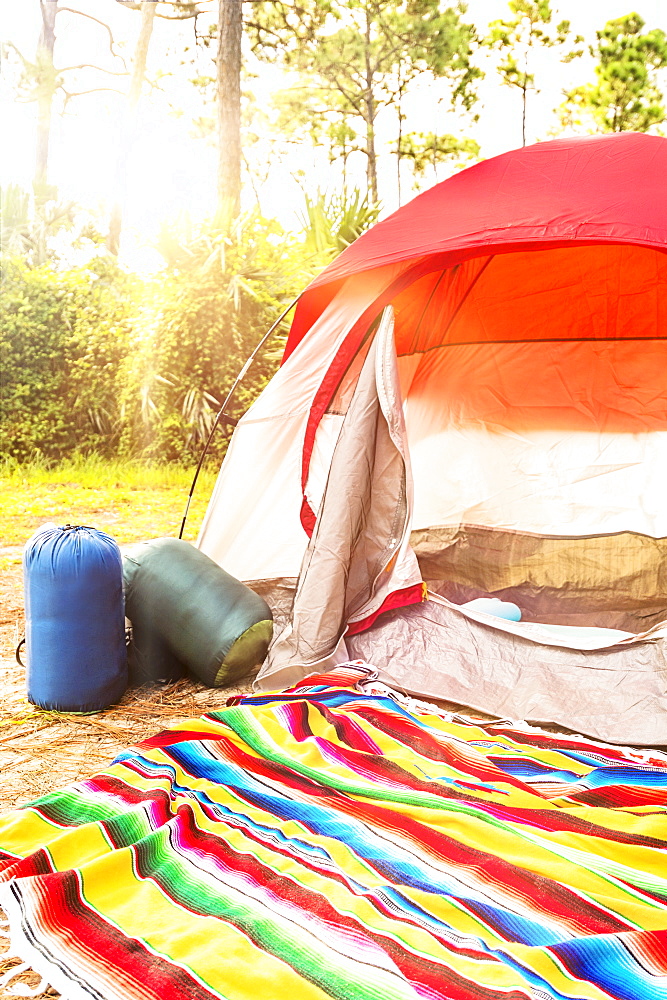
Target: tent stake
(222, 414)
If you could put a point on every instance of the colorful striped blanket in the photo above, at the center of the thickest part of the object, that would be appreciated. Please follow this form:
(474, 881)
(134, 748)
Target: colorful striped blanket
(331, 842)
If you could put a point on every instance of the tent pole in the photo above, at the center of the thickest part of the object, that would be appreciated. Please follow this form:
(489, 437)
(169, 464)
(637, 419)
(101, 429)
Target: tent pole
(222, 414)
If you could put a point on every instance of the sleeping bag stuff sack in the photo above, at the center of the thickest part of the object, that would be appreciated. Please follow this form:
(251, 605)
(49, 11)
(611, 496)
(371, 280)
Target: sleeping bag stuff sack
(75, 621)
(187, 612)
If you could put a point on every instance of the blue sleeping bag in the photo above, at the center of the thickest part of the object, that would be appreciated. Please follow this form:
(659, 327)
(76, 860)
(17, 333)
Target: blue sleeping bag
(75, 619)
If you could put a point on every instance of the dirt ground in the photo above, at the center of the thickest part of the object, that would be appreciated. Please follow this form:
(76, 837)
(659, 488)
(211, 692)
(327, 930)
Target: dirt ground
(41, 751)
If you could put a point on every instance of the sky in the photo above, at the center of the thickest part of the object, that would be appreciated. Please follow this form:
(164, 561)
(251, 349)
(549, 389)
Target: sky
(173, 172)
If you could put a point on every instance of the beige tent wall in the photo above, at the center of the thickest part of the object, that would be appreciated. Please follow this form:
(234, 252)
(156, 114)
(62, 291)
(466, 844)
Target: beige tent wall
(252, 525)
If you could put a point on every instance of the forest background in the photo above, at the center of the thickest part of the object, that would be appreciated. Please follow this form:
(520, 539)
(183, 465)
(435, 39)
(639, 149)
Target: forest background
(175, 172)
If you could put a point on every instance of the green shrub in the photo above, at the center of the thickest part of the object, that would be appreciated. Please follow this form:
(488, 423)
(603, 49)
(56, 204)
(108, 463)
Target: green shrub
(219, 295)
(96, 361)
(63, 338)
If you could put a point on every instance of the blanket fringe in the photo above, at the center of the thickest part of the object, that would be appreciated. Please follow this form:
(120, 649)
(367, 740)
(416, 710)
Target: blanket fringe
(22, 989)
(27, 963)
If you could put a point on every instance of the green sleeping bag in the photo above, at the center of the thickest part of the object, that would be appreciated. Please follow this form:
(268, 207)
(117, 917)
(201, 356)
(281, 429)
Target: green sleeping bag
(187, 613)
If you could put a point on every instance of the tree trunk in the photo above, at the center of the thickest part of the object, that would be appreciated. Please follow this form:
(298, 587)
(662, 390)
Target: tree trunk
(523, 118)
(228, 63)
(369, 102)
(129, 125)
(46, 91)
(399, 141)
(524, 96)
(345, 156)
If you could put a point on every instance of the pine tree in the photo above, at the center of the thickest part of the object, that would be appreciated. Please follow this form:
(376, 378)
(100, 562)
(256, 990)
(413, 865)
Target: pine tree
(519, 38)
(626, 95)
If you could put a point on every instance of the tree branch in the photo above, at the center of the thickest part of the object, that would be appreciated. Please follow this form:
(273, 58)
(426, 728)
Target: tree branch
(190, 9)
(357, 103)
(262, 29)
(10, 45)
(93, 90)
(101, 69)
(90, 17)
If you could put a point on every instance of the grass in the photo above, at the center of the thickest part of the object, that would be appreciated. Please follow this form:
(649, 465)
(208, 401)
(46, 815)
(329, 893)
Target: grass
(129, 500)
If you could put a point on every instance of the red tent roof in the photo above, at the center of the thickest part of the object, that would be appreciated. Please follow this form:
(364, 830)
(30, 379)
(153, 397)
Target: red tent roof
(590, 190)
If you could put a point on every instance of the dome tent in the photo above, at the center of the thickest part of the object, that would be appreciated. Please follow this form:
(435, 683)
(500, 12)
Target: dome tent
(474, 396)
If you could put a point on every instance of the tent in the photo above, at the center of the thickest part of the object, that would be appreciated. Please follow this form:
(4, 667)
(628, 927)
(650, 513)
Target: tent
(473, 401)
